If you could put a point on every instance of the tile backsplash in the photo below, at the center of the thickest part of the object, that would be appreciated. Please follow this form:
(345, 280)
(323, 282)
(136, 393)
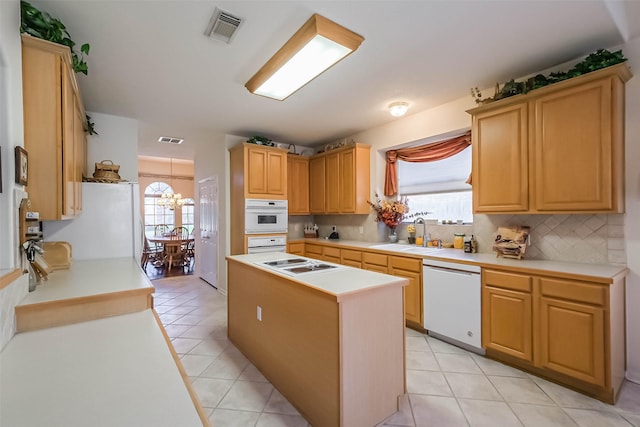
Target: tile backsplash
(586, 238)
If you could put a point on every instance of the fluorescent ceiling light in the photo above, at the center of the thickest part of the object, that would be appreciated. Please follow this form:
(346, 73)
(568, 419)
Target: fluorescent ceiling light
(315, 47)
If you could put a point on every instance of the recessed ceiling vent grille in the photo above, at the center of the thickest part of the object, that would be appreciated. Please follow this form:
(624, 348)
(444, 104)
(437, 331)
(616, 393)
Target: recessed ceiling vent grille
(222, 26)
(170, 140)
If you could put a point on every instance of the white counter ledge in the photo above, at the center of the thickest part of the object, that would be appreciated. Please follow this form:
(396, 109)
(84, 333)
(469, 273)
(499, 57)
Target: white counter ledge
(117, 371)
(88, 290)
(91, 277)
(339, 282)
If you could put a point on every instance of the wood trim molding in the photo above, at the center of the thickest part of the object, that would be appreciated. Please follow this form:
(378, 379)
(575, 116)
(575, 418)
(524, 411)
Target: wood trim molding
(9, 277)
(183, 374)
(48, 314)
(164, 176)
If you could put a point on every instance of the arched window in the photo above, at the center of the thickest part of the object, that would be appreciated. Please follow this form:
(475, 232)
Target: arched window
(187, 214)
(154, 214)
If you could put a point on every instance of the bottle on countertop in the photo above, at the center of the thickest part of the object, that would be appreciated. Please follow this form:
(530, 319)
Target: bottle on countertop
(474, 244)
(467, 245)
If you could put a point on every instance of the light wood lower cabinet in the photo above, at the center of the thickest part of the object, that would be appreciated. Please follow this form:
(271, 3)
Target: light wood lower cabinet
(296, 248)
(507, 320)
(572, 329)
(375, 262)
(569, 330)
(331, 254)
(313, 251)
(351, 258)
(410, 268)
(572, 339)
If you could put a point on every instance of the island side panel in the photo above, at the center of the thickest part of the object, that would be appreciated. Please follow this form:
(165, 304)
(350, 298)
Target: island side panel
(295, 345)
(373, 355)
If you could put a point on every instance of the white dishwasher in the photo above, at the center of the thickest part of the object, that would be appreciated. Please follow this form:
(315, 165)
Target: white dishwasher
(452, 302)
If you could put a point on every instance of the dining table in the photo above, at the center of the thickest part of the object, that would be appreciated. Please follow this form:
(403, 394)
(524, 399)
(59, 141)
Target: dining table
(171, 245)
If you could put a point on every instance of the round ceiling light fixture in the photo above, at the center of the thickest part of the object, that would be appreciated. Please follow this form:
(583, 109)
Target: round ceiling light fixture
(398, 109)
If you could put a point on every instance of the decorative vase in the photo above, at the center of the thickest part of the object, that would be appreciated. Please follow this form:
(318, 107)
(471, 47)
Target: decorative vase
(393, 237)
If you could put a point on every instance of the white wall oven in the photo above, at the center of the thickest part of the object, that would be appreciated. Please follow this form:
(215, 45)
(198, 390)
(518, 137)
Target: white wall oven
(263, 216)
(262, 244)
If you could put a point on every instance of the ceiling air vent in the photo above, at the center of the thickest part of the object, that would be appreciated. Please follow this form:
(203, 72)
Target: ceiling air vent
(170, 140)
(222, 26)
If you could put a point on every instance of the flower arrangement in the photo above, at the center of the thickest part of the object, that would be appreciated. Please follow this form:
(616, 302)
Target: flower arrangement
(391, 213)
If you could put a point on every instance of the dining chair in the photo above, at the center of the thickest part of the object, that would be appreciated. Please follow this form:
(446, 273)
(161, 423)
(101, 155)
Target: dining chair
(161, 229)
(175, 249)
(183, 232)
(189, 254)
(150, 254)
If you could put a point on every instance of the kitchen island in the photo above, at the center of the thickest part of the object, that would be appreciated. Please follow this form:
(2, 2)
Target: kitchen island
(330, 340)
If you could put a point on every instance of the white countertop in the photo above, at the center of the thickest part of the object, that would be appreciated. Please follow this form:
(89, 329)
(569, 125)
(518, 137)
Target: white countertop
(90, 277)
(340, 282)
(600, 272)
(116, 371)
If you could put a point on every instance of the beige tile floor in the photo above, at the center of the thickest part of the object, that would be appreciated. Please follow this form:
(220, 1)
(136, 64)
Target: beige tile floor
(447, 386)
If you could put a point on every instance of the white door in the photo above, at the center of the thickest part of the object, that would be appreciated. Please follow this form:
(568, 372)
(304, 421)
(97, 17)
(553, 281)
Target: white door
(208, 250)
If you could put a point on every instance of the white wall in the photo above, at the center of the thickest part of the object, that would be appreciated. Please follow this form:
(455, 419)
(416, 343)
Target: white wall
(632, 225)
(11, 135)
(117, 140)
(211, 160)
(11, 126)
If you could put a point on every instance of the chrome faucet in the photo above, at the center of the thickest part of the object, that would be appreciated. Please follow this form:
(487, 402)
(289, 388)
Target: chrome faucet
(420, 220)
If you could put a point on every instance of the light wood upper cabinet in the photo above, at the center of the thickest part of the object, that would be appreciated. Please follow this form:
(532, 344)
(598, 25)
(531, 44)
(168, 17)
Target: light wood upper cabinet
(316, 185)
(80, 154)
(53, 129)
(260, 170)
(585, 171)
(500, 160)
(339, 181)
(267, 172)
(298, 184)
(558, 149)
(332, 183)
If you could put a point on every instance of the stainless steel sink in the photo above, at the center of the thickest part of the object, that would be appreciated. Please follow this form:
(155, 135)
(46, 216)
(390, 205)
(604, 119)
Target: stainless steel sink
(421, 250)
(405, 248)
(392, 247)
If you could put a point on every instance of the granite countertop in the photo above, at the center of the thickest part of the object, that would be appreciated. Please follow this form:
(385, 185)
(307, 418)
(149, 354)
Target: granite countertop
(603, 273)
(339, 282)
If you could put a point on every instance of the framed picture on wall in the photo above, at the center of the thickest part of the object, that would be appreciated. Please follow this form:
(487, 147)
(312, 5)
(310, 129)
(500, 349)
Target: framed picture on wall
(22, 164)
